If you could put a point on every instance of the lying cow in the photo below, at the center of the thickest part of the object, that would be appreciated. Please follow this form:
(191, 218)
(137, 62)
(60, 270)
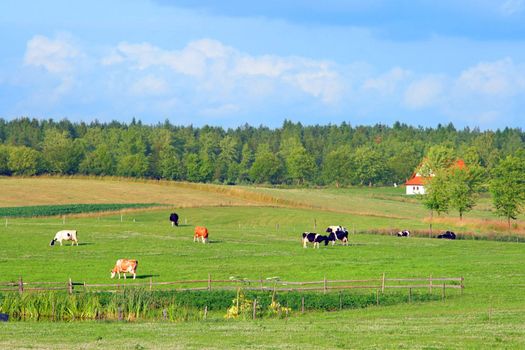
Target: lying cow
(174, 218)
(404, 233)
(200, 232)
(337, 233)
(65, 235)
(315, 238)
(447, 235)
(125, 266)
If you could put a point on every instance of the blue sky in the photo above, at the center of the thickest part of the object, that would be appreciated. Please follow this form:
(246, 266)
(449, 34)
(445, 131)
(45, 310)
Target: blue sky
(232, 62)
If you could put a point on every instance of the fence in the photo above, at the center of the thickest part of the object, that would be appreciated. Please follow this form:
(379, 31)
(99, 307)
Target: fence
(269, 284)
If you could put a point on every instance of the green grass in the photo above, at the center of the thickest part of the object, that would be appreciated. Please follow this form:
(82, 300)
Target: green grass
(260, 242)
(68, 209)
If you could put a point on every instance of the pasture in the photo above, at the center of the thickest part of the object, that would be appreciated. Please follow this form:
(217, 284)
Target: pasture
(251, 237)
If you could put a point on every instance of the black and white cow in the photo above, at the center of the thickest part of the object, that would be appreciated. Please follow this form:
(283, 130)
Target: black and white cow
(337, 233)
(315, 238)
(447, 235)
(404, 233)
(174, 218)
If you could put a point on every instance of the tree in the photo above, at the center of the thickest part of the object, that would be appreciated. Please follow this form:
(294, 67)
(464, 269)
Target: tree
(4, 160)
(61, 154)
(300, 165)
(508, 187)
(338, 166)
(24, 161)
(99, 162)
(438, 158)
(266, 167)
(436, 197)
(368, 165)
(170, 166)
(463, 187)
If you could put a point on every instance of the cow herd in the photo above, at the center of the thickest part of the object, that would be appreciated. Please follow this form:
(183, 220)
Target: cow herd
(333, 234)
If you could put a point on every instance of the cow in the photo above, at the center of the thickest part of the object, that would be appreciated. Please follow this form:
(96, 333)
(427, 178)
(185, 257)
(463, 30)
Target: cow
(65, 235)
(447, 235)
(125, 266)
(200, 232)
(337, 233)
(174, 218)
(404, 233)
(314, 238)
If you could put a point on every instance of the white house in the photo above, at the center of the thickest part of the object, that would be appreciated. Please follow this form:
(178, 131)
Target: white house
(416, 183)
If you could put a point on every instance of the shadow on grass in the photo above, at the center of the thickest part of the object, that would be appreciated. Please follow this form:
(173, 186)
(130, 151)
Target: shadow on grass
(141, 277)
(86, 243)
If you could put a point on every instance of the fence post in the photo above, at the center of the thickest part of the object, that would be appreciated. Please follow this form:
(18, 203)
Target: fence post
(254, 308)
(150, 283)
(462, 286)
(377, 296)
(120, 317)
(165, 313)
(409, 295)
(443, 292)
(206, 312)
(70, 286)
(340, 300)
(20, 285)
(430, 284)
(209, 281)
(383, 283)
(302, 304)
(324, 289)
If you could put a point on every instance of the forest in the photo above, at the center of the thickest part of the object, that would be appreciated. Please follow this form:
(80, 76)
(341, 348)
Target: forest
(293, 154)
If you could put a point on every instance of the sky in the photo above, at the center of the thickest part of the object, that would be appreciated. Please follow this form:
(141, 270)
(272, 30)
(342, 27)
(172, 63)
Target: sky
(231, 62)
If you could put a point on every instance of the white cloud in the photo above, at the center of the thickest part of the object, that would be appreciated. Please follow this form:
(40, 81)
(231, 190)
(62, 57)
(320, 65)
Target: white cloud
(223, 69)
(149, 85)
(387, 83)
(55, 55)
(511, 7)
(217, 111)
(424, 92)
(498, 78)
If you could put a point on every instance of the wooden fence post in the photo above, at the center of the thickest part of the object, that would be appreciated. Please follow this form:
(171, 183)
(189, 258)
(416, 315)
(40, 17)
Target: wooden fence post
(302, 304)
(20, 285)
(209, 281)
(70, 286)
(340, 300)
(443, 292)
(165, 314)
(462, 286)
(409, 295)
(254, 308)
(383, 283)
(120, 314)
(206, 312)
(324, 289)
(377, 296)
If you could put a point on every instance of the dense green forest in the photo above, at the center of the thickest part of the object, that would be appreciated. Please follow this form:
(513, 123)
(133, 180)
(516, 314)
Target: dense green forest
(293, 154)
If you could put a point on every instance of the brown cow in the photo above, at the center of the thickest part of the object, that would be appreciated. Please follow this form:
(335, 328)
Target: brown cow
(200, 232)
(125, 266)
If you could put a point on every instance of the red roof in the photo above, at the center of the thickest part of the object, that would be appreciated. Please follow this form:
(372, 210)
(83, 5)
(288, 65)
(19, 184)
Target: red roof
(415, 181)
(418, 180)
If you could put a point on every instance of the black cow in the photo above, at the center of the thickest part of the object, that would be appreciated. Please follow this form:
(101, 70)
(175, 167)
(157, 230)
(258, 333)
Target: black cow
(447, 235)
(404, 233)
(174, 218)
(337, 233)
(314, 238)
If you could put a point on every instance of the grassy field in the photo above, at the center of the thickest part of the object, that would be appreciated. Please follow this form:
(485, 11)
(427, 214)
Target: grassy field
(254, 241)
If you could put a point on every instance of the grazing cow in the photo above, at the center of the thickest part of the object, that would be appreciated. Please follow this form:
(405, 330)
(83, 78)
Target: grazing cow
(125, 266)
(200, 232)
(404, 233)
(337, 233)
(447, 235)
(174, 218)
(65, 235)
(314, 238)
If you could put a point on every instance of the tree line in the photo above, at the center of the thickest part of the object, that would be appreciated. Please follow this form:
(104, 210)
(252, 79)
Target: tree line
(293, 154)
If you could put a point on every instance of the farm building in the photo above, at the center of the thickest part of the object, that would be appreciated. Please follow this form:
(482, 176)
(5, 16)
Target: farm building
(416, 183)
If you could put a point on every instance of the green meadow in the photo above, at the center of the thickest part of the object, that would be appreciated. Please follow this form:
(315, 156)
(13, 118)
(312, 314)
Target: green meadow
(255, 233)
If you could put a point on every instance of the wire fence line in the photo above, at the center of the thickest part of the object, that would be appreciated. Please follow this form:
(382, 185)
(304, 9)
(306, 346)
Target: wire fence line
(269, 284)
